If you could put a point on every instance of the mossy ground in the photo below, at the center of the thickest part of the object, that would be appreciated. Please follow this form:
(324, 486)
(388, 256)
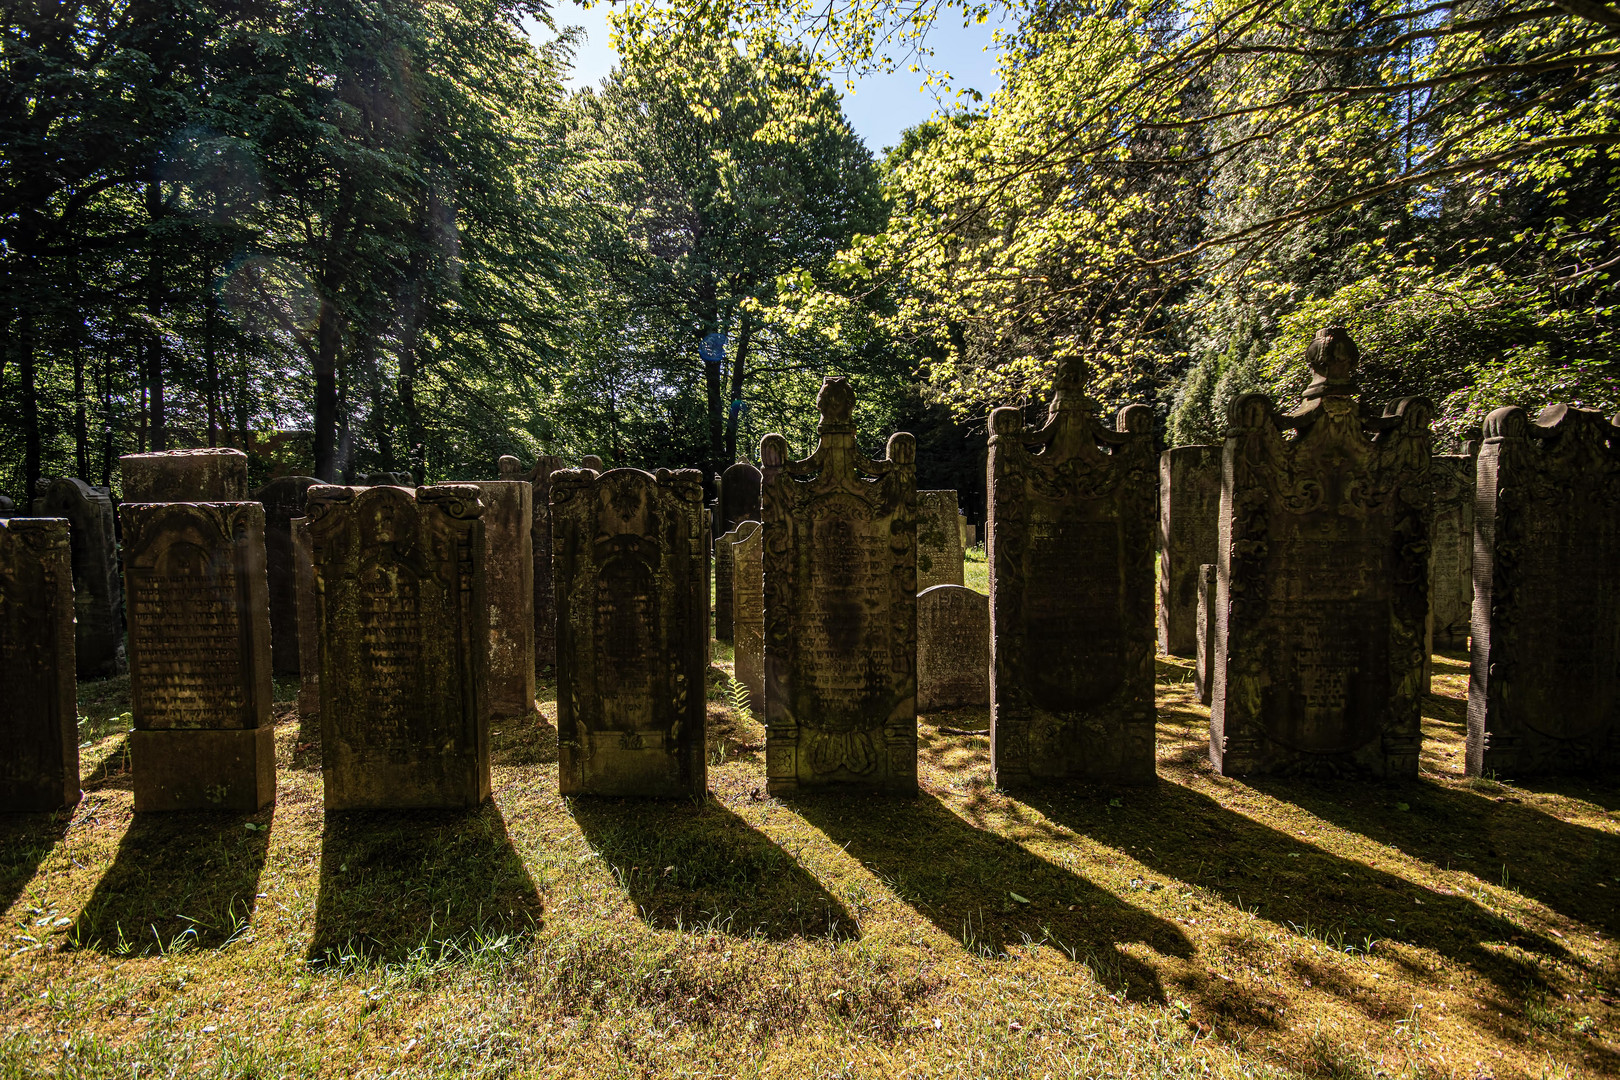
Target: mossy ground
(1203, 926)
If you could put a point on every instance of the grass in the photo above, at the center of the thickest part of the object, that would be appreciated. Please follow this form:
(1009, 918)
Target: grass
(1203, 926)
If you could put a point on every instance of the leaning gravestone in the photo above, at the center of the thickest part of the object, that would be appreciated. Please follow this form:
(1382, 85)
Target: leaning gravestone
(216, 475)
(1544, 689)
(723, 570)
(632, 631)
(404, 629)
(283, 500)
(1189, 508)
(39, 732)
(953, 648)
(309, 631)
(1451, 552)
(98, 593)
(545, 610)
(509, 587)
(1203, 674)
(939, 540)
(840, 570)
(1322, 581)
(199, 656)
(1071, 525)
(748, 612)
(739, 496)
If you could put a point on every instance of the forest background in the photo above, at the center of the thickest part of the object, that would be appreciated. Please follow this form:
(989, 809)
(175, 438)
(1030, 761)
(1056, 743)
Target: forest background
(362, 236)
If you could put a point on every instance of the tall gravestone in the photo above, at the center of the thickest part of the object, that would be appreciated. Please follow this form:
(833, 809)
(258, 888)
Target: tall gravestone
(840, 572)
(939, 540)
(748, 611)
(1189, 508)
(723, 573)
(545, 610)
(739, 496)
(39, 732)
(1322, 581)
(309, 631)
(199, 656)
(213, 475)
(1204, 672)
(404, 629)
(953, 648)
(1451, 552)
(632, 631)
(283, 500)
(1544, 688)
(98, 592)
(1071, 525)
(509, 587)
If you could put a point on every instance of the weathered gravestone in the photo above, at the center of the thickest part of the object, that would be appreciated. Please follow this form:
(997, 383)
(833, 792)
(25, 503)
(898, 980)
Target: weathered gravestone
(545, 610)
(283, 500)
(1189, 508)
(591, 461)
(404, 629)
(386, 479)
(939, 540)
(1544, 689)
(1322, 581)
(748, 612)
(632, 631)
(1071, 525)
(199, 656)
(309, 630)
(98, 592)
(7, 507)
(840, 536)
(723, 572)
(214, 475)
(953, 647)
(739, 496)
(509, 587)
(1451, 552)
(1204, 673)
(39, 731)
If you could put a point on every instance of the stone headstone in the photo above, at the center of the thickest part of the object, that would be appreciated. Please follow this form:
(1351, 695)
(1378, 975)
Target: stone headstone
(309, 632)
(283, 500)
(1072, 510)
(840, 566)
(98, 591)
(545, 611)
(962, 529)
(214, 475)
(39, 731)
(739, 496)
(723, 630)
(1322, 581)
(591, 461)
(509, 587)
(386, 479)
(1189, 510)
(1203, 675)
(632, 631)
(1451, 552)
(199, 656)
(1544, 688)
(7, 508)
(953, 648)
(748, 612)
(939, 542)
(404, 629)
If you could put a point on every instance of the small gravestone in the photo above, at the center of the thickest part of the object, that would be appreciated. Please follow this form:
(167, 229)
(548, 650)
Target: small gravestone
(591, 461)
(1189, 509)
(953, 648)
(962, 529)
(509, 586)
(283, 500)
(404, 629)
(748, 612)
(39, 732)
(1544, 689)
(1202, 676)
(939, 540)
(723, 570)
(309, 633)
(632, 637)
(216, 475)
(1071, 525)
(1322, 581)
(739, 496)
(545, 611)
(840, 572)
(98, 591)
(1451, 552)
(7, 508)
(199, 656)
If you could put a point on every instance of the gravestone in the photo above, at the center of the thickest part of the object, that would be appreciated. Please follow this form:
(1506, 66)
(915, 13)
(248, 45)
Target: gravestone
(962, 529)
(1322, 581)
(98, 591)
(939, 542)
(404, 629)
(1072, 510)
(1203, 675)
(545, 611)
(283, 500)
(748, 612)
(309, 632)
(591, 461)
(39, 731)
(7, 508)
(1544, 688)
(739, 496)
(214, 475)
(840, 573)
(723, 630)
(509, 587)
(953, 648)
(1189, 509)
(386, 479)
(1451, 552)
(632, 632)
(199, 656)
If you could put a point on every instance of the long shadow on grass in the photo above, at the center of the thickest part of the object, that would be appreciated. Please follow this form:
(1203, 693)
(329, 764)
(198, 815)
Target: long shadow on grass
(178, 880)
(26, 841)
(962, 879)
(403, 883)
(687, 864)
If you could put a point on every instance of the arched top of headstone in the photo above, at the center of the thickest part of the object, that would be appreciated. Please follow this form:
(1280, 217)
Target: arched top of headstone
(1333, 357)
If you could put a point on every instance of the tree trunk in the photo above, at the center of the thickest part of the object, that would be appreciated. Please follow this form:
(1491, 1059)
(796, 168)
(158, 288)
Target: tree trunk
(30, 405)
(159, 437)
(745, 336)
(210, 313)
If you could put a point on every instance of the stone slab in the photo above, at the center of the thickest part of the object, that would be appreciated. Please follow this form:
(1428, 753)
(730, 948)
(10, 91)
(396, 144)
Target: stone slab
(953, 648)
(309, 634)
(1189, 513)
(283, 500)
(39, 734)
(203, 770)
(939, 540)
(509, 587)
(1451, 552)
(748, 612)
(98, 590)
(723, 569)
(739, 497)
(214, 475)
(545, 611)
(1203, 676)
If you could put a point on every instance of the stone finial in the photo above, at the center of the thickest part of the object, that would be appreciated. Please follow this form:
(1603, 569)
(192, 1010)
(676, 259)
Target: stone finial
(1069, 386)
(836, 402)
(1333, 356)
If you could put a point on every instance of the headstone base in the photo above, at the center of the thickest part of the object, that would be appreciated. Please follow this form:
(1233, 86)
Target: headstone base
(180, 769)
